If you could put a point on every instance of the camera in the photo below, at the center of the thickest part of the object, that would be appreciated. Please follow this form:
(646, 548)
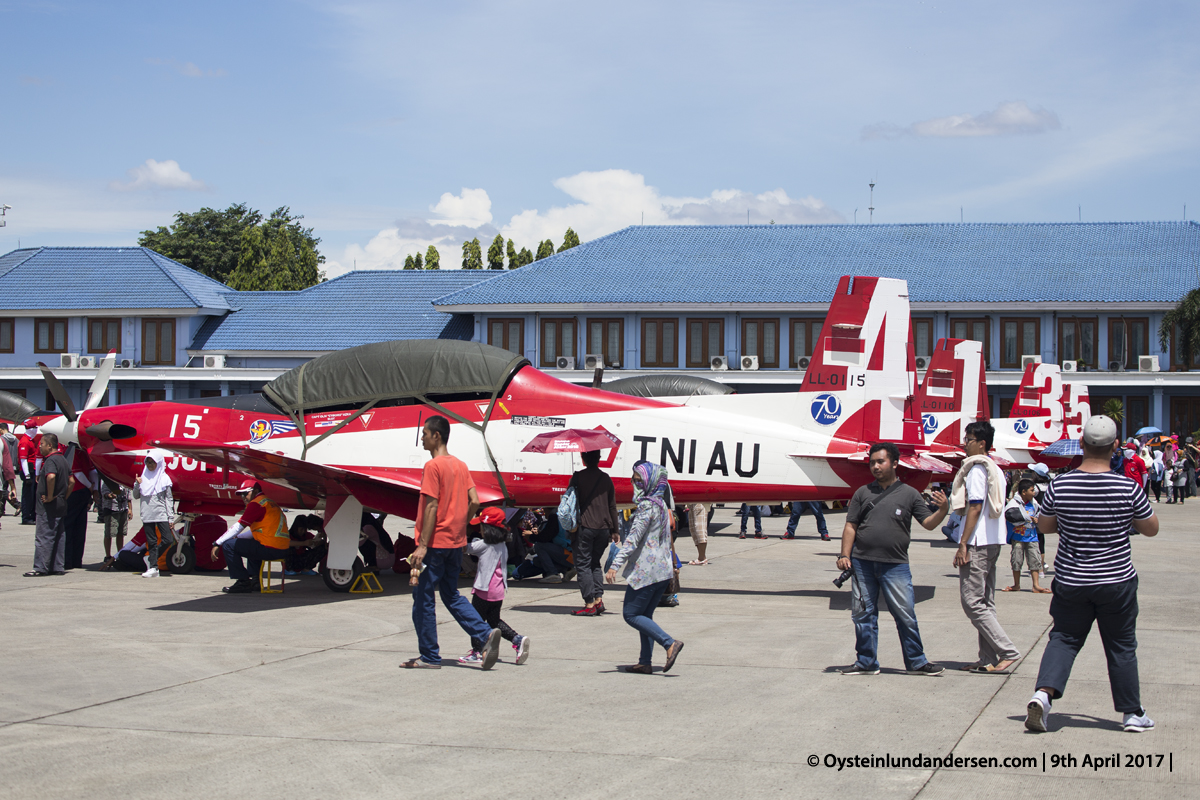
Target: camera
(841, 579)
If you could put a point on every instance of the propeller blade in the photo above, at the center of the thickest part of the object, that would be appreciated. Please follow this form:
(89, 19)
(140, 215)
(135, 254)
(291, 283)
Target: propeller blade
(100, 384)
(58, 393)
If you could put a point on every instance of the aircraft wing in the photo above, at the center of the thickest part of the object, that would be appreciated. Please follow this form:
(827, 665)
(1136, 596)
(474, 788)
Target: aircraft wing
(295, 483)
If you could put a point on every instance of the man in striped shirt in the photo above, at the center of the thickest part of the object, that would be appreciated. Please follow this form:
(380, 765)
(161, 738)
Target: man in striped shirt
(1093, 510)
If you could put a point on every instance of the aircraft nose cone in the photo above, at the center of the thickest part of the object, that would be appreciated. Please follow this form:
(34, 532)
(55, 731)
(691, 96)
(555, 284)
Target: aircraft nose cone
(64, 430)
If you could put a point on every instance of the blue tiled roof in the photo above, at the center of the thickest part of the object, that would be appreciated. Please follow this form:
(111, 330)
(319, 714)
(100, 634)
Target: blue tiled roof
(83, 278)
(954, 263)
(356, 308)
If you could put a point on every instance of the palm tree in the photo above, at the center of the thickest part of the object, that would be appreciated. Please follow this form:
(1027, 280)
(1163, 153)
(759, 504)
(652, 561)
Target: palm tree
(1185, 317)
(1114, 410)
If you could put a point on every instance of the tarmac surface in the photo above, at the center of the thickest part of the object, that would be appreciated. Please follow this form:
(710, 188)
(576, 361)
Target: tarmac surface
(112, 685)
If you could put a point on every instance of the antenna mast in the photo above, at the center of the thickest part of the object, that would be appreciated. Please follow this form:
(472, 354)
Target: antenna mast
(871, 208)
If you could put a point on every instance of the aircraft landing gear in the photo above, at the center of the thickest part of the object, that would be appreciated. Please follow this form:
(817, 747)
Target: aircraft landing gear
(340, 580)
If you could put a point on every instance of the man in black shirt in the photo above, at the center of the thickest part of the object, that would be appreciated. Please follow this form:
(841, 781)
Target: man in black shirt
(49, 545)
(596, 499)
(875, 543)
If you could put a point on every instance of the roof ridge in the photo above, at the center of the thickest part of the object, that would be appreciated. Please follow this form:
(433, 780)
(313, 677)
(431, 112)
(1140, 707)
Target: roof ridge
(147, 252)
(33, 251)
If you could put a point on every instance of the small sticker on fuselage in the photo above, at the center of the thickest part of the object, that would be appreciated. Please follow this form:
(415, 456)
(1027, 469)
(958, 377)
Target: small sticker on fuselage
(540, 422)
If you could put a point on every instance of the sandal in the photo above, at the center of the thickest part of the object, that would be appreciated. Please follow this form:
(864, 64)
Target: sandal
(989, 669)
(640, 669)
(418, 663)
(972, 667)
(672, 654)
(1011, 589)
(703, 563)
(1043, 590)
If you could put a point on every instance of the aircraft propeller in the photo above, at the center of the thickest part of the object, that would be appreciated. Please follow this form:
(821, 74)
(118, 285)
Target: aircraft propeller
(66, 427)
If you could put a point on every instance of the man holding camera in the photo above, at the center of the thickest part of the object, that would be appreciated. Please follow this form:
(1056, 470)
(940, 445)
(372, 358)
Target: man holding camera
(875, 545)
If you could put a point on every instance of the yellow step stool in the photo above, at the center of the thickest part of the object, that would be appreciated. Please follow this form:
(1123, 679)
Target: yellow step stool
(264, 577)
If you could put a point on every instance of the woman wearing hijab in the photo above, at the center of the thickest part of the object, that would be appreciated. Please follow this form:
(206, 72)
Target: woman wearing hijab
(645, 558)
(1157, 471)
(154, 490)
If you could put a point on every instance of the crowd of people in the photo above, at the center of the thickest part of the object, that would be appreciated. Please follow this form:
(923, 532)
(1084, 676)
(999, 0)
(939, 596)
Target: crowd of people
(1093, 509)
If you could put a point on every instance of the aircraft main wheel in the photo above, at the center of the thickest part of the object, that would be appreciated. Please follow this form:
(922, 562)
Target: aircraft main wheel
(181, 561)
(340, 580)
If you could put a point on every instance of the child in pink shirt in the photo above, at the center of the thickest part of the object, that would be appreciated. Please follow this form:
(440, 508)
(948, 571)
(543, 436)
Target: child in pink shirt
(491, 581)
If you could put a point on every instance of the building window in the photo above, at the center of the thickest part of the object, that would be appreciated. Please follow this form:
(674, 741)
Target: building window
(606, 337)
(922, 330)
(760, 337)
(210, 393)
(660, 343)
(154, 395)
(1128, 338)
(158, 342)
(976, 329)
(17, 392)
(6, 335)
(805, 333)
(705, 339)
(50, 336)
(508, 334)
(1006, 404)
(1137, 413)
(1077, 340)
(104, 335)
(558, 339)
(1020, 337)
(1177, 355)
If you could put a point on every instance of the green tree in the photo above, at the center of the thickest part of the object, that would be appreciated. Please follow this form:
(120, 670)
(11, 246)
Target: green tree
(207, 240)
(417, 262)
(496, 253)
(277, 255)
(512, 255)
(1115, 410)
(472, 254)
(570, 239)
(408, 262)
(433, 259)
(524, 257)
(1185, 318)
(545, 249)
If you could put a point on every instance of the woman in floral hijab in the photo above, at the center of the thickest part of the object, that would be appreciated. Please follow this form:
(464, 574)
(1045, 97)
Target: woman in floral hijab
(645, 559)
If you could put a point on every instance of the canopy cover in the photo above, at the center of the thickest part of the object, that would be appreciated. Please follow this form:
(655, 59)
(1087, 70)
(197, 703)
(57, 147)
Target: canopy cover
(15, 408)
(666, 386)
(393, 370)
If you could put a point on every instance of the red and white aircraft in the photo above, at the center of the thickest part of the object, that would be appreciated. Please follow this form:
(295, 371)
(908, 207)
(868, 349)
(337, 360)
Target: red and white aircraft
(811, 445)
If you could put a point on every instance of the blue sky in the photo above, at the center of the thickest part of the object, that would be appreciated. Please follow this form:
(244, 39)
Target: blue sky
(391, 126)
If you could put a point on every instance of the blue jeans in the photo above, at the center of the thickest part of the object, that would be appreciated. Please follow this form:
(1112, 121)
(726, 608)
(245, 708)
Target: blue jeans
(757, 512)
(638, 611)
(552, 558)
(895, 581)
(442, 565)
(798, 509)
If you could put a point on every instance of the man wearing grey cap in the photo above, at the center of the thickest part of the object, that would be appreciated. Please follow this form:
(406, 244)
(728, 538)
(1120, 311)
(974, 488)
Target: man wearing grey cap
(1093, 511)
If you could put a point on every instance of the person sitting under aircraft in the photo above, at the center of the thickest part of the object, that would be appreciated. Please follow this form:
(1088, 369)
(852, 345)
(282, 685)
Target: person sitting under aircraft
(260, 535)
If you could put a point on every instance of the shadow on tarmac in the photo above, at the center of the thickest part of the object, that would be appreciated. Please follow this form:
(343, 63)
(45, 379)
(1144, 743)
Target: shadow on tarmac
(839, 599)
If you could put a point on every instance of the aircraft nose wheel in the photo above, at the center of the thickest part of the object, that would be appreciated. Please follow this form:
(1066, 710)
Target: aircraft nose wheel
(182, 560)
(340, 580)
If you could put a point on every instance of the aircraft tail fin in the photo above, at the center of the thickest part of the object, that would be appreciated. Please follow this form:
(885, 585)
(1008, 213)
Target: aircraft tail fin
(953, 393)
(860, 383)
(1078, 409)
(1038, 410)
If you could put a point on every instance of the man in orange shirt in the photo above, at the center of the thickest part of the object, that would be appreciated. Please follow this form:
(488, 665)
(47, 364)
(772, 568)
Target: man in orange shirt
(448, 499)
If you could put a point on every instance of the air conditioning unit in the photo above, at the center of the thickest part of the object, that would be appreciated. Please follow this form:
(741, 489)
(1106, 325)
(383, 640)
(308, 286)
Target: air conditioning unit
(803, 362)
(69, 361)
(1027, 360)
(1147, 363)
(1116, 366)
(564, 362)
(1070, 366)
(87, 362)
(125, 363)
(719, 363)
(750, 362)
(214, 361)
(593, 360)
(922, 363)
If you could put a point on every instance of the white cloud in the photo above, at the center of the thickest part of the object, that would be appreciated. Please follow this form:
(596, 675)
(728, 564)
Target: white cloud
(1008, 119)
(472, 209)
(607, 201)
(187, 69)
(158, 175)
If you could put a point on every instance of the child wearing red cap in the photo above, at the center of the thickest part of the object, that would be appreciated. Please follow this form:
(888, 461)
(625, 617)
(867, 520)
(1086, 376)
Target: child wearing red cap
(491, 580)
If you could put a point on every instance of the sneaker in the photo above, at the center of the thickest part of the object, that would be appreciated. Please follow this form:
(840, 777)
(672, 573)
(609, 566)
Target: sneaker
(929, 668)
(759, 535)
(473, 657)
(825, 537)
(742, 535)
(555, 578)
(1037, 713)
(570, 576)
(1137, 723)
(151, 573)
(859, 670)
(788, 536)
(600, 609)
(522, 648)
(584, 612)
(491, 649)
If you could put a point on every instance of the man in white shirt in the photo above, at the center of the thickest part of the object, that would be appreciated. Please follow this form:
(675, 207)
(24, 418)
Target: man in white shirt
(984, 534)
